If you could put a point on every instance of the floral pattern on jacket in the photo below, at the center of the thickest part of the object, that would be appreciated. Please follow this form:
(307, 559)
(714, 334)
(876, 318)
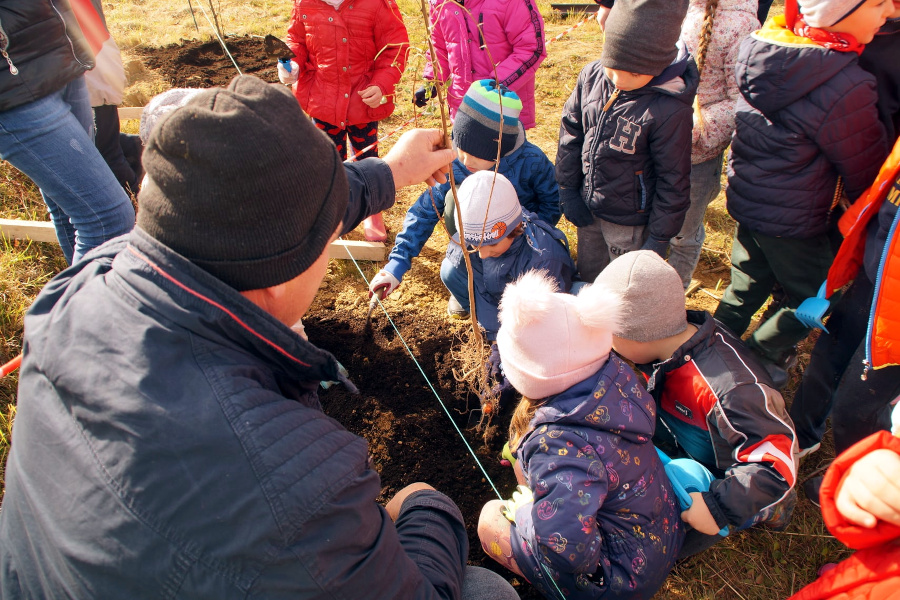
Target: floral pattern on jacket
(718, 91)
(604, 518)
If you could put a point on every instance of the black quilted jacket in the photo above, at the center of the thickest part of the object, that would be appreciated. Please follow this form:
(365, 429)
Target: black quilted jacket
(632, 161)
(806, 115)
(43, 48)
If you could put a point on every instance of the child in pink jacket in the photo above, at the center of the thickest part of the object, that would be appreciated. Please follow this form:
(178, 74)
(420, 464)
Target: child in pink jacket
(470, 39)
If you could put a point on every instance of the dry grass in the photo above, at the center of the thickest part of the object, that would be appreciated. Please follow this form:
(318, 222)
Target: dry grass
(758, 564)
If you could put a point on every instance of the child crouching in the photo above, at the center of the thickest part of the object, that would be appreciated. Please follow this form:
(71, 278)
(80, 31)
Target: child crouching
(603, 520)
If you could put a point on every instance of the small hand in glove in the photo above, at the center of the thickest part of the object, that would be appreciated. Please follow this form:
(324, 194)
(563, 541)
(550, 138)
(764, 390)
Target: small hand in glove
(520, 498)
(423, 94)
(661, 247)
(288, 77)
(384, 283)
(574, 207)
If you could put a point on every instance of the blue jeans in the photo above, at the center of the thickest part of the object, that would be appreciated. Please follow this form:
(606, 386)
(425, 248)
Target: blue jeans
(50, 141)
(684, 250)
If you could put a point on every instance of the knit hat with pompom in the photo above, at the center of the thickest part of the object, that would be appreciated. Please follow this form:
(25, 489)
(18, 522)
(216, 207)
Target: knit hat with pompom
(550, 341)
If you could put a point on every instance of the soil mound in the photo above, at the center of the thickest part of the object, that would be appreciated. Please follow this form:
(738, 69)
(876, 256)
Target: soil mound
(199, 64)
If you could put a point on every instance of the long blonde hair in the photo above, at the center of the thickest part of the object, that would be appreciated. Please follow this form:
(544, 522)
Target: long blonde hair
(703, 47)
(521, 420)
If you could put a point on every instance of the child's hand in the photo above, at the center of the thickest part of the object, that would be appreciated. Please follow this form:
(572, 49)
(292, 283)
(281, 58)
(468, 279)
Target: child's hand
(372, 96)
(699, 517)
(871, 490)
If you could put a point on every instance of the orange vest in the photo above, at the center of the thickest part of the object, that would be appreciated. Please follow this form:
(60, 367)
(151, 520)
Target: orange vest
(883, 338)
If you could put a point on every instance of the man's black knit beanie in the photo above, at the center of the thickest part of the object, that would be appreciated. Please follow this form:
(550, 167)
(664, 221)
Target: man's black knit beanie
(242, 184)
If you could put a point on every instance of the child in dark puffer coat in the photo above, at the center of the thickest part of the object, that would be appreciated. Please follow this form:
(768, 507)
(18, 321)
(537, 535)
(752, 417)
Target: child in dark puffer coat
(598, 518)
(624, 158)
(806, 125)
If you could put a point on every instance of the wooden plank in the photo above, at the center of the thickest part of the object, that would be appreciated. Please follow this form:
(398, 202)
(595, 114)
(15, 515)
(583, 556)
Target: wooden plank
(43, 231)
(359, 250)
(39, 231)
(130, 112)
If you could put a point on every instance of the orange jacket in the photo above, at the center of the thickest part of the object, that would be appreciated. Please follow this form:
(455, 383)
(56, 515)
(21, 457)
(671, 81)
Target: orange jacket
(883, 338)
(872, 573)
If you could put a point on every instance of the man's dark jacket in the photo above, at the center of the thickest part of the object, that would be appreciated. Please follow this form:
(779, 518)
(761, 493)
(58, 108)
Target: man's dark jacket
(170, 444)
(632, 161)
(44, 46)
(806, 115)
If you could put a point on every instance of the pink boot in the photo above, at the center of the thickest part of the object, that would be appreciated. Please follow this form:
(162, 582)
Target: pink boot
(374, 228)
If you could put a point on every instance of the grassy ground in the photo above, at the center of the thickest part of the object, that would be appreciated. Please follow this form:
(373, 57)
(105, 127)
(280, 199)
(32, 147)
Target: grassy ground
(752, 565)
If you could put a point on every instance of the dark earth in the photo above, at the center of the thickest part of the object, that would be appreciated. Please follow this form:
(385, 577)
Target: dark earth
(410, 436)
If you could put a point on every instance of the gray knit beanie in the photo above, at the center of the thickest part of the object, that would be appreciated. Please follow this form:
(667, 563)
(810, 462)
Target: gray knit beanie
(826, 13)
(640, 35)
(242, 184)
(652, 296)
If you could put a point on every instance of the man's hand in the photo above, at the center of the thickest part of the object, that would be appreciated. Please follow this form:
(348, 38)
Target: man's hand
(871, 490)
(396, 503)
(417, 157)
(661, 247)
(699, 517)
(372, 96)
(383, 281)
(288, 77)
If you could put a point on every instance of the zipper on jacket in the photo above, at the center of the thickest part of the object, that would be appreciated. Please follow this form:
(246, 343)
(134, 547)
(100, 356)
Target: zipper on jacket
(867, 362)
(640, 176)
(598, 140)
(481, 43)
(612, 99)
(87, 66)
(12, 68)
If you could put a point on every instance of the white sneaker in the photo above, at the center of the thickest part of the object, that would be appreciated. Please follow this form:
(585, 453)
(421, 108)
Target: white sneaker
(807, 451)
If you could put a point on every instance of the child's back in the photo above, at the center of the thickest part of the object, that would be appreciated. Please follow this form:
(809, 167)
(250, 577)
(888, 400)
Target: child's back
(806, 116)
(604, 518)
(588, 456)
(807, 128)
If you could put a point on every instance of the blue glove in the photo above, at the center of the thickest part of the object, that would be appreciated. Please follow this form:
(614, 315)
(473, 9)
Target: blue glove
(661, 247)
(574, 207)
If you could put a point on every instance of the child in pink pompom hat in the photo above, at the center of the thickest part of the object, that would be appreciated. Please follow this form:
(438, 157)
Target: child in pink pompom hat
(598, 514)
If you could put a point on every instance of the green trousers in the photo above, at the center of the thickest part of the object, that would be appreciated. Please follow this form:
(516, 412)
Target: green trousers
(757, 263)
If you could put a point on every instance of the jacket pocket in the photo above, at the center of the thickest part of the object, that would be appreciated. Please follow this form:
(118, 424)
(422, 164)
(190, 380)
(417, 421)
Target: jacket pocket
(640, 192)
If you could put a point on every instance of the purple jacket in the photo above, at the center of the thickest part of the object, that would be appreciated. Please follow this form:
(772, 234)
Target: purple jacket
(605, 519)
(468, 41)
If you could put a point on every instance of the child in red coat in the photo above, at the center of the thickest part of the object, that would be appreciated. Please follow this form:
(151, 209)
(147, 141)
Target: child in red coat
(861, 507)
(349, 55)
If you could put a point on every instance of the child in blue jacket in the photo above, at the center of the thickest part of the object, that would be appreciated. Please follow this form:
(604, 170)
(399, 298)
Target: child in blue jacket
(598, 518)
(509, 240)
(475, 136)
(624, 158)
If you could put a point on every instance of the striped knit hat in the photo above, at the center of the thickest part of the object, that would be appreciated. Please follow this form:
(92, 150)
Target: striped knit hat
(477, 121)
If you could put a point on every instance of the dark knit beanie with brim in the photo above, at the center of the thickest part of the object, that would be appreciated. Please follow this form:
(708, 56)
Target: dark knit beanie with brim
(242, 184)
(640, 35)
